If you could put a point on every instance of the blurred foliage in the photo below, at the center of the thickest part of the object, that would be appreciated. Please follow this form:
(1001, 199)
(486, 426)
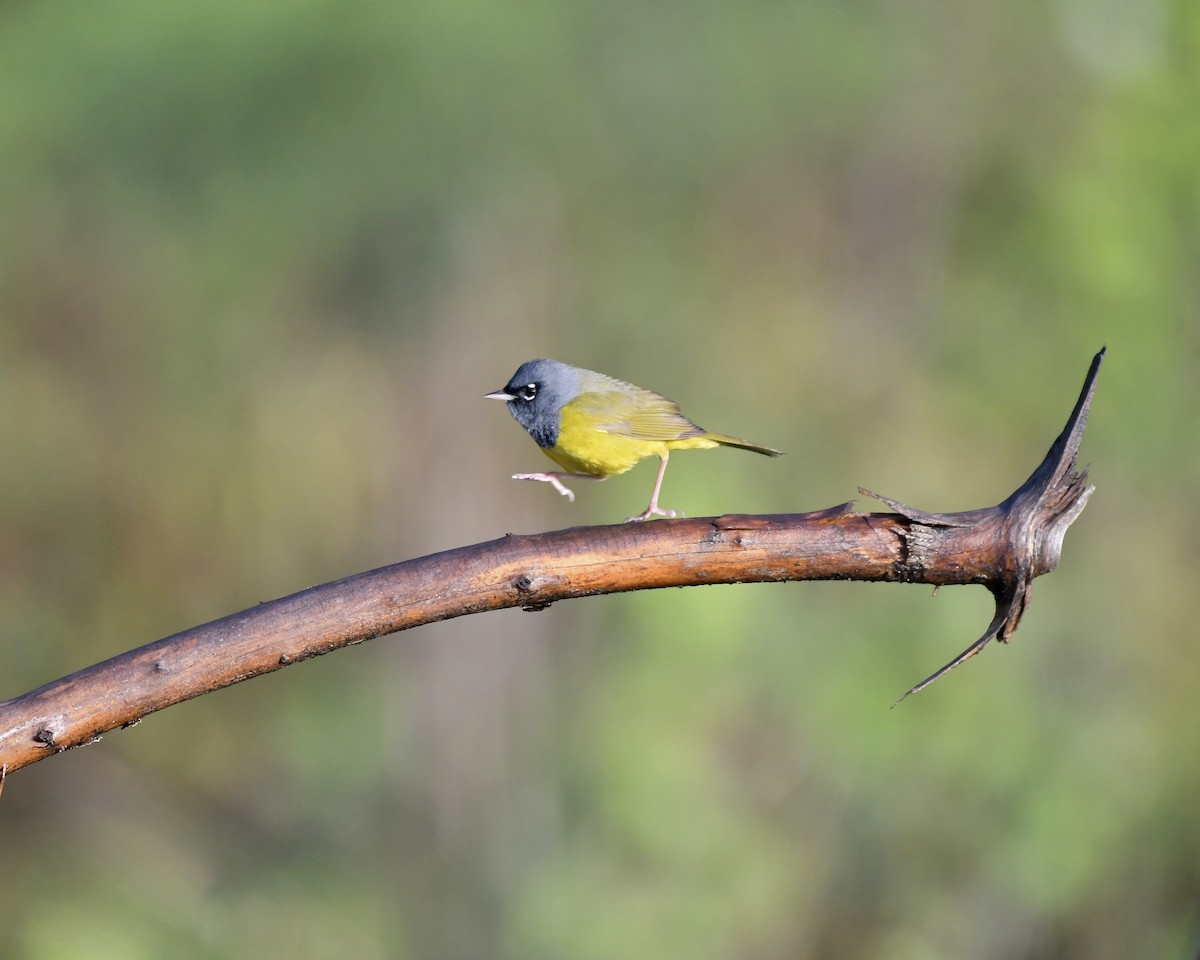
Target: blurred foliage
(259, 263)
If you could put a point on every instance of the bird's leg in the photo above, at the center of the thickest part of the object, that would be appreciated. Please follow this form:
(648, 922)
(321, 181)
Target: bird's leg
(553, 480)
(654, 510)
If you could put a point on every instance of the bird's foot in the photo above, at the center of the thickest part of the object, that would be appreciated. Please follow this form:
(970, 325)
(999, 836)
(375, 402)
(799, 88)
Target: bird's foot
(654, 510)
(550, 478)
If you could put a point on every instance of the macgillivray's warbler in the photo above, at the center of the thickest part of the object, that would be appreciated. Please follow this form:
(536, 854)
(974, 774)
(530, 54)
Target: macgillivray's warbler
(596, 426)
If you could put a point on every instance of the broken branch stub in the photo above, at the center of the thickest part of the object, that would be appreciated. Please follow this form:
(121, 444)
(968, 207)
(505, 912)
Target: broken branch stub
(1028, 527)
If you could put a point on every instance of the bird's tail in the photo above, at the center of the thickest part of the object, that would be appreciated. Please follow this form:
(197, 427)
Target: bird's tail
(726, 441)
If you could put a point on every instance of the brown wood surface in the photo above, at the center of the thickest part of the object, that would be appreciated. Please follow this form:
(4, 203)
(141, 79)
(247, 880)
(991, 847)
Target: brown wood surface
(1002, 547)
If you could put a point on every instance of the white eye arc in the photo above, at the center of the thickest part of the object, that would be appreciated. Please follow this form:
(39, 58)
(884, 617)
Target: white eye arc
(528, 392)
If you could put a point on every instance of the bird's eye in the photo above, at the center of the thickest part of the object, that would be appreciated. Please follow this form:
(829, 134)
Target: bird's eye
(528, 392)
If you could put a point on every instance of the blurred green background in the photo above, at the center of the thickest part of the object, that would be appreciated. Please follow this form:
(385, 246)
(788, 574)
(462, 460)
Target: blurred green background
(258, 265)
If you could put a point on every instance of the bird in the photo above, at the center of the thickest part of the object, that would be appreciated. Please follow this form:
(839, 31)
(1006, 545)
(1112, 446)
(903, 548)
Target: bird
(596, 426)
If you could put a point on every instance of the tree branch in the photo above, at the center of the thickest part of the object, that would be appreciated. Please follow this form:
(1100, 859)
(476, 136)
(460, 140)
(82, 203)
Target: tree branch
(1002, 547)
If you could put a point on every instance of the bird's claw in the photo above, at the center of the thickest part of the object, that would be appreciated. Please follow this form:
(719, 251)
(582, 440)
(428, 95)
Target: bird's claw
(550, 479)
(654, 510)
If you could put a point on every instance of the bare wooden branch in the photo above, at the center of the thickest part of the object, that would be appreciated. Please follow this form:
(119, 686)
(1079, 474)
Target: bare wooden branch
(1002, 548)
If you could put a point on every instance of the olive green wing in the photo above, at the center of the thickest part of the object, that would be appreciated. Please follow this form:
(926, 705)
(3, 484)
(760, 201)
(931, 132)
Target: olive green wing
(629, 411)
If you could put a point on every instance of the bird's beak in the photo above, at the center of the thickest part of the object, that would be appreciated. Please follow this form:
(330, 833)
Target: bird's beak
(499, 395)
